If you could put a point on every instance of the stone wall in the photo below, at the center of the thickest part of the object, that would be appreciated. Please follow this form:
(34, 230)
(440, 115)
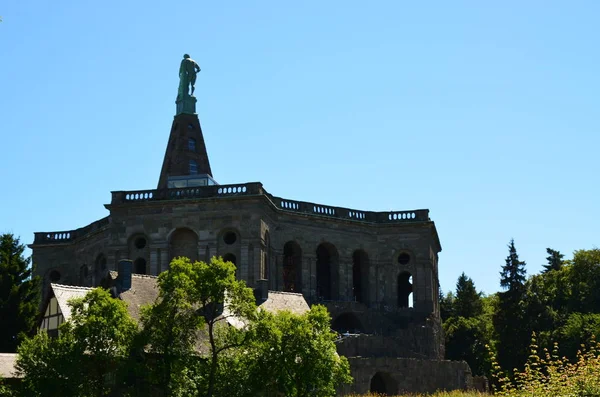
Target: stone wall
(399, 375)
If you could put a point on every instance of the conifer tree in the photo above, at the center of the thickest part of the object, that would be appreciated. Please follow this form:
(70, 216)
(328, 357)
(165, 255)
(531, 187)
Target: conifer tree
(468, 301)
(18, 294)
(512, 330)
(555, 260)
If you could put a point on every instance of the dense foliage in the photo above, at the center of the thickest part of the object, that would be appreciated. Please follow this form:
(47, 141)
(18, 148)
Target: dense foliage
(18, 294)
(204, 336)
(561, 304)
(88, 355)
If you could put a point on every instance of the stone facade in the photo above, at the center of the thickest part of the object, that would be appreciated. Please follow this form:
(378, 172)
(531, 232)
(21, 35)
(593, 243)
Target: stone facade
(377, 272)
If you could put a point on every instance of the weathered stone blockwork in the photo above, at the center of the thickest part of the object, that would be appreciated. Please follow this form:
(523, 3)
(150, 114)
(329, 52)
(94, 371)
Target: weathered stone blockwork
(408, 375)
(377, 272)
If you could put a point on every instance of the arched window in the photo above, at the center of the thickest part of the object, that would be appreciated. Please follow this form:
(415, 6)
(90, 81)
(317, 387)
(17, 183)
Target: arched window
(327, 274)
(193, 167)
(405, 289)
(360, 276)
(191, 144)
(139, 266)
(292, 267)
(100, 270)
(229, 257)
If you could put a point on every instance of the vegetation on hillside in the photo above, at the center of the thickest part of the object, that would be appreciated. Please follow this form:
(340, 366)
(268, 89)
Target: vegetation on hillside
(561, 306)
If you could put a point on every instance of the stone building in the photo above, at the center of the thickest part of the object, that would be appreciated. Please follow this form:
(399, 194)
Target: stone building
(377, 272)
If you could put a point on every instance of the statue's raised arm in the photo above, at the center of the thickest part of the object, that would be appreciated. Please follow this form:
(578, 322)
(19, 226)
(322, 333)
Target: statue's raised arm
(187, 76)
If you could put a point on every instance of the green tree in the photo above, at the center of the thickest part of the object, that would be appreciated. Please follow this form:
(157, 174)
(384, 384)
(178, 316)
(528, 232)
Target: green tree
(466, 330)
(512, 329)
(555, 260)
(585, 280)
(468, 301)
(446, 305)
(88, 356)
(295, 355)
(196, 300)
(19, 297)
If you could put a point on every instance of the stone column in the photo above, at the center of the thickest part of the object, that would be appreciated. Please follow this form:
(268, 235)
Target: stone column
(243, 264)
(345, 278)
(164, 259)
(311, 280)
(154, 265)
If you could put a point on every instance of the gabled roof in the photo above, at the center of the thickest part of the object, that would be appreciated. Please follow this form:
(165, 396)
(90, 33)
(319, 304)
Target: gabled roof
(143, 291)
(278, 301)
(64, 293)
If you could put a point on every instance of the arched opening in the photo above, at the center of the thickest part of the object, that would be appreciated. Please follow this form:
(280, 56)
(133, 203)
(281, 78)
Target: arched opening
(100, 270)
(383, 383)
(229, 257)
(327, 266)
(184, 242)
(292, 267)
(139, 266)
(405, 290)
(360, 276)
(347, 322)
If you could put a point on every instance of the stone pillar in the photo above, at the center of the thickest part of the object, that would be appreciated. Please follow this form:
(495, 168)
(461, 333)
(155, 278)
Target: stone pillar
(153, 267)
(311, 263)
(278, 259)
(345, 278)
(305, 276)
(164, 259)
(243, 264)
(212, 249)
(391, 285)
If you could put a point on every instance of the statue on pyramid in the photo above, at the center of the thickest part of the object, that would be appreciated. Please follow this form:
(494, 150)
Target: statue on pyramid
(187, 77)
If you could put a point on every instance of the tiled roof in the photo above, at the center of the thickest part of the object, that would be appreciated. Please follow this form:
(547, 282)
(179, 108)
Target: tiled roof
(143, 291)
(7, 365)
(278, 301)
(64, 293)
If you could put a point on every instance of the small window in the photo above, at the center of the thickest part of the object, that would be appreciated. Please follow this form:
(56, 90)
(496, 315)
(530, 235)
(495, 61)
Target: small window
(193, 167)
(190, 126)
(229, 238)
(140, 243)
(403, 258)
(191, 144)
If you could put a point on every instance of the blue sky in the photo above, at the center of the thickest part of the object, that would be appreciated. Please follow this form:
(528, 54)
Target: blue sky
(487, 114)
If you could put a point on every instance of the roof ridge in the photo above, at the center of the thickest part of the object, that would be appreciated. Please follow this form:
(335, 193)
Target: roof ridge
(116, 274)
(71, 286)
(286, 293)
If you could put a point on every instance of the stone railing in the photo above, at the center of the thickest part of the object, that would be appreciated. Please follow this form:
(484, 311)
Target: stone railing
(256, 188)
(347, 213)
(240, 189)
(69, 235)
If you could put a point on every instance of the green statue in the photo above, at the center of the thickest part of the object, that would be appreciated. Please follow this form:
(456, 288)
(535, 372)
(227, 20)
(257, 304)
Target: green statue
(187, 76)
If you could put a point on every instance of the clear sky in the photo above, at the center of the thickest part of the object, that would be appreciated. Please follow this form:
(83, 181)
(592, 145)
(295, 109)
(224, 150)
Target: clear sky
(484, 112)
